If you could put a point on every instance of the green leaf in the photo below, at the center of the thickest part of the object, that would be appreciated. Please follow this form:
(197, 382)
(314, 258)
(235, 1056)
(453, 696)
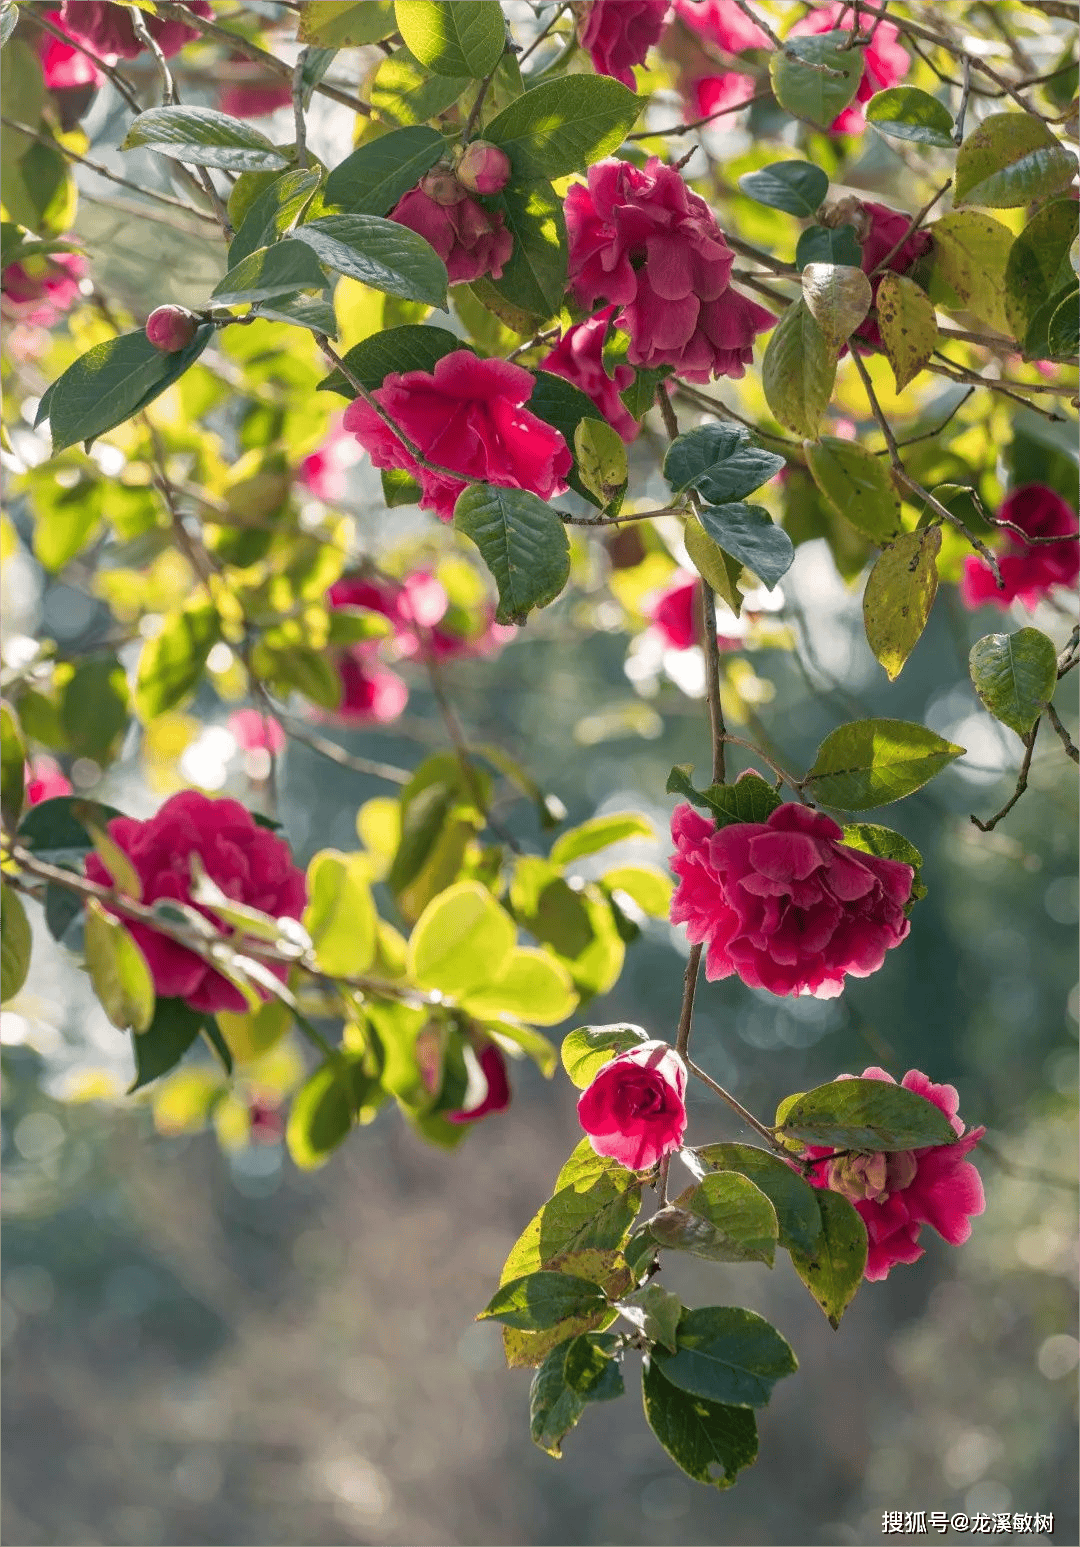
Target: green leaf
(56, 828)
(534, 276)
(908, 325)
(1038, 265)
(300, 311)
(909, 113)
(900, 591)
(971, 254)
(272, 212)
(15, 943)
(563, 126)
(600, 453)
(562, 405)
(1009, 160)
(532, 985)
(599, 833)
(587, 1049)
(523, 543)
(749, 799)
(751, 535)
(325, 1108)
(171, 664)
(726, 1355)
(709, 1441)
(798, 187)
(833, 1269)
(379, 253)
(462, 38)
(404, 92)
(94, 708)
(65, 519)
(649, 888)
(717, 568)
(870, 763)
(279, 270)
(113, 381)
(640, 395)
(410, 348)
(161, 1046)
(1015, 676)
(118, 970)
(795, 1201)
(809, 93)
(798, 369)
(869, 838)
(858, 485)
(378, 174)
(340, 915)
(333, 25)
(655, 1312)
(720, 462)
(828, 244)
(542, 1300)
(871, 1115)
(575, 1373)
(461, 940)
(204, 137)
(1063, 333)
(593, 1206)
(725, 1218)
(838, 297)
(12, 767)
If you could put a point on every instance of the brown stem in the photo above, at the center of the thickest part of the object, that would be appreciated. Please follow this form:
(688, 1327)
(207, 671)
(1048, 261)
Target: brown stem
(916, 222)
(670, 131)
(1021, 782)
(712, 671)
(1063, 735)
(736, 1106)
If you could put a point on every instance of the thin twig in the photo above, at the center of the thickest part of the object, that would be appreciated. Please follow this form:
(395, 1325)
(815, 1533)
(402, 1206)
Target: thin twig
(148, 41)
(670, 131)
(461, 746)
(965, 93)
(916, 222)
(712, 672)
(1063, 735)
(736, 1106)
(536, 42)
(300, 126)
(1021, 782)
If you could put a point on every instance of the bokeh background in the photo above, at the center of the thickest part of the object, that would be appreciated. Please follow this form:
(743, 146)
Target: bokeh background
(202, 1344)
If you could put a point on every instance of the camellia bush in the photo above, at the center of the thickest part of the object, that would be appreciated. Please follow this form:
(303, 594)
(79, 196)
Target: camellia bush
(631, 299)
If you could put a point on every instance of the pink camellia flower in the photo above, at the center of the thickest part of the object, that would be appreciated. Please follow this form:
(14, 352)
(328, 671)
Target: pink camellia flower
(619, 33)
(107, 29)
(885, 62)
(1029, 573)
(62, 66)
(323, 473)
(634, 1111)
(579, 358)
(880, 229)
(449, 644)
(44, 780)
(371, 694)
(256, 732)
(642, 240)
(721, 23)
(496, 1097)
(715, 94)
(254, 93)
(248, 863)
(896, 1194)
(470, 240)
(784, 904)
(468, 416)
(41, 290)
(484, 168)
(676, 613)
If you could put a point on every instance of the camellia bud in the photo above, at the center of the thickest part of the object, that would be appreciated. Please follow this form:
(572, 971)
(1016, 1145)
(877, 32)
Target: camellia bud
(442, 187)
(171, 328)
(484, 168)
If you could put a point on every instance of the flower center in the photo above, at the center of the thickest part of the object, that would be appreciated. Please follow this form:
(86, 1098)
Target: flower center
(871, 1178)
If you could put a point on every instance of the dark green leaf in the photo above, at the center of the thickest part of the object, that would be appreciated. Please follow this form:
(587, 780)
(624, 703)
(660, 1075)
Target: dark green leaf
(1009, 160)
(326, 1106)
(640, 395)
(810, 93)
(113, 381)
(872, 1115)
(165, 1041)
(1015, 676)
(205, 138)
(655, 1312)
(563, 126)
(562, 405)
(725, 1218)
(908, 113)
(833, 1269)
(828, 244)
(301, 311)
(1038, 266)
(15, 943)
(523, 543)
(272, 212)
(52, 828)
(726, 1355)
(798, 369)
(94, 707)
(795, 1201)
(575, 1373)
(588, 1048)
(1063, 333)
(541, 1300)
(720, 462)
(749, 534)
(858, 486)
(710, 1441)
(379, 253)
(172, 662)
(798, 187)
(900, 591)
(534, 276)
(279, 270)
(410, 348)
(453, 37)
(869, 763)
(62, 908)
(378, 174)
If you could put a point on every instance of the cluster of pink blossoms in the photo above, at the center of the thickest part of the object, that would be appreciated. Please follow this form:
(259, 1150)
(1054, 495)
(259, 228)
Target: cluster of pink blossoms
(471, 240)
(579, 358)
(107, 30)
(784, 904)
(883, 231)
(248, 863)
(1030, 573)
(41, 290)
(619, 33)
(639, 238)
